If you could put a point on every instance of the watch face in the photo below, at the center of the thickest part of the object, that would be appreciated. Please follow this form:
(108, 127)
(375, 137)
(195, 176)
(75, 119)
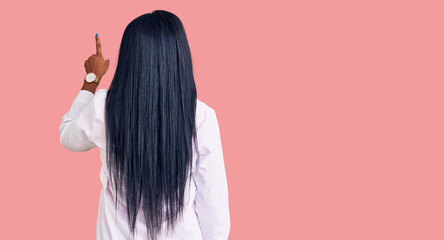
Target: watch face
(90, 77)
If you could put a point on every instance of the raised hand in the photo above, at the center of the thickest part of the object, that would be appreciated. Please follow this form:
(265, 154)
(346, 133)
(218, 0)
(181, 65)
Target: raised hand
(96, 63)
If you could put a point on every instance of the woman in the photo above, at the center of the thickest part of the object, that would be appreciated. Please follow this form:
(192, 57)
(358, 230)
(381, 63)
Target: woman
(163, 171)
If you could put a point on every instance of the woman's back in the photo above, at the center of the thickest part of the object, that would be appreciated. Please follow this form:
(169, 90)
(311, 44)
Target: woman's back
(111, 223)
(206, 211)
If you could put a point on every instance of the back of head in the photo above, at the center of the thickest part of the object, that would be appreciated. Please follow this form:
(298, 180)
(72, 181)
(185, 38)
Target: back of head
(150, 120)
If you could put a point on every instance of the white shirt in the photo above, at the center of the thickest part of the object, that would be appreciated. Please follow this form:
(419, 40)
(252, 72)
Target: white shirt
(206, 215)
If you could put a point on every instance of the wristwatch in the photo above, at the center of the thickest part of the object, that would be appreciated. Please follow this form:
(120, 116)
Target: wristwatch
(92, 77)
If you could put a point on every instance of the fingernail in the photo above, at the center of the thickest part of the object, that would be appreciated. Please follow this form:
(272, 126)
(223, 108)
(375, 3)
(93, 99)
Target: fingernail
(97, 34)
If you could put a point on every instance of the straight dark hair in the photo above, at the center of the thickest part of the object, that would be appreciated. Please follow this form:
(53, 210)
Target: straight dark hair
(150, 121)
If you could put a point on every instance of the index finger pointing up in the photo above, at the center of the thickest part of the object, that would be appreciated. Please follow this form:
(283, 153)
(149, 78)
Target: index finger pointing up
(98, 46)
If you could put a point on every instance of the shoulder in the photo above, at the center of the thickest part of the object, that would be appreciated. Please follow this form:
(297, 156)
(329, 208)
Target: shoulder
(207, 127)
(202, 106)
(203, 112)
(206, 120)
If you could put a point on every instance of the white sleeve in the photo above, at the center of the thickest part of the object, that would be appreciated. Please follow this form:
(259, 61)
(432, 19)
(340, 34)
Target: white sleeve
(77, 127)
(211, 202)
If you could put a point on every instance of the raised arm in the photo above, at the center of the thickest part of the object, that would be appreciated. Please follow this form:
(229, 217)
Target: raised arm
(77, 126)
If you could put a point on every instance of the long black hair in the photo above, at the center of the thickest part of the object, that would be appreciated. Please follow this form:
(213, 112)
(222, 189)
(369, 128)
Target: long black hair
(150, 120)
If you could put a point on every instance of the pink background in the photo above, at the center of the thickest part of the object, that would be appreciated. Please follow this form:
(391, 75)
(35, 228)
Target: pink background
(331, 114)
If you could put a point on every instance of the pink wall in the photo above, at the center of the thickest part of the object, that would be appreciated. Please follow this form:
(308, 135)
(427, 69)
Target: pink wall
(331, 114)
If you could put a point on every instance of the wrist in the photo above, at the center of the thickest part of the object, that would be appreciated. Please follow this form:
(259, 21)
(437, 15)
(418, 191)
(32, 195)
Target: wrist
(90, 86)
